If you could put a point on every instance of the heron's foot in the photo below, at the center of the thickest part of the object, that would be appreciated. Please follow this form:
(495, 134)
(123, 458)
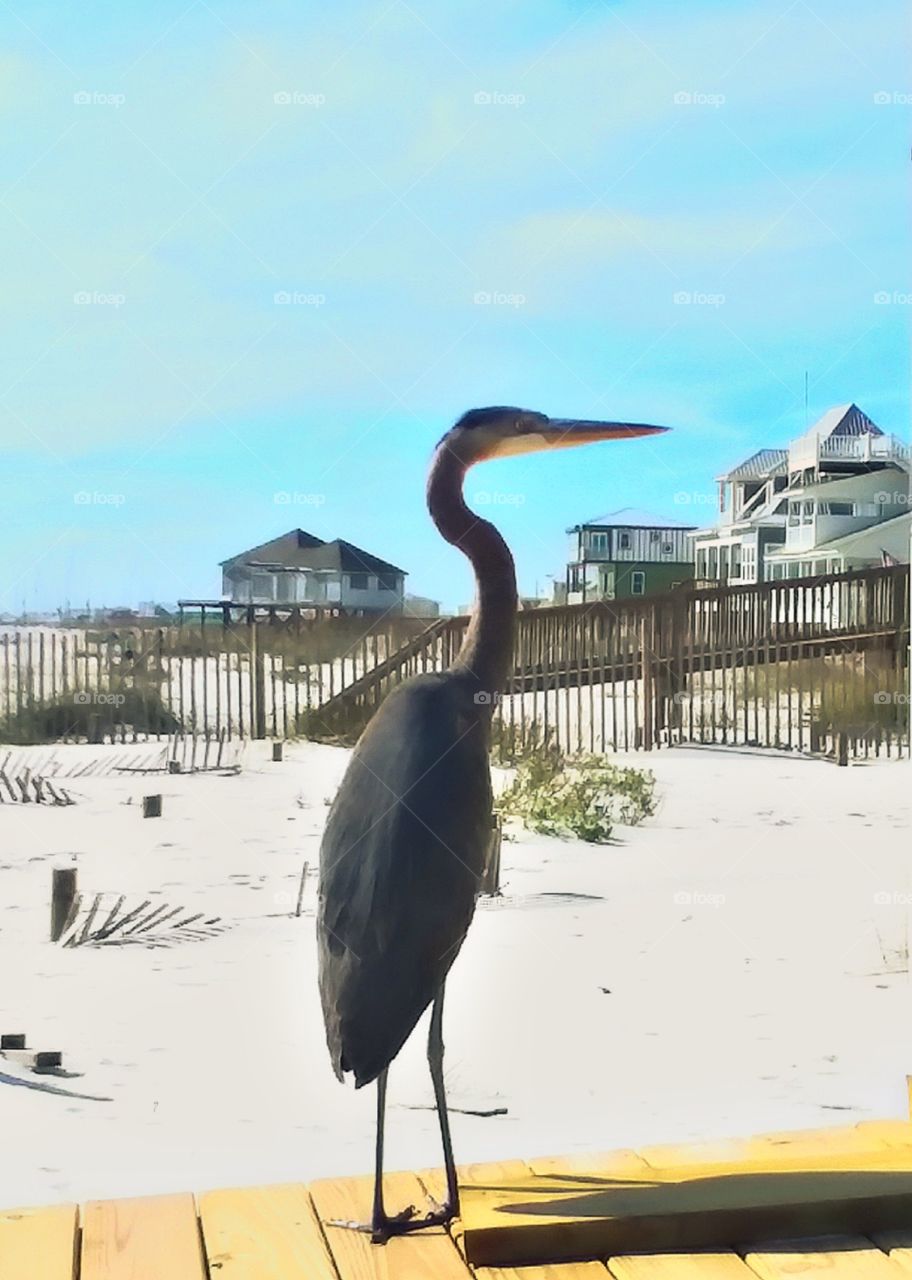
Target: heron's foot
(439, 1215)
(381, 1226)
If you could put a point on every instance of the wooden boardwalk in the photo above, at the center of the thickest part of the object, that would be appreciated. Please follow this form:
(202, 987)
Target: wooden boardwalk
(284, 1232)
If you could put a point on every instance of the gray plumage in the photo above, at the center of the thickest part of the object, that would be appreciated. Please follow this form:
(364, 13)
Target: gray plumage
(400, 863)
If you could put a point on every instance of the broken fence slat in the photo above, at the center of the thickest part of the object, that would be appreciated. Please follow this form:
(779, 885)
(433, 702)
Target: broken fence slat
(112, 916)
(93, 911)
(152, 923)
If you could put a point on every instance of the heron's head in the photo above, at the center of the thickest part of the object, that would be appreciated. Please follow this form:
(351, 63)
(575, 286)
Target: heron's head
(504, 431)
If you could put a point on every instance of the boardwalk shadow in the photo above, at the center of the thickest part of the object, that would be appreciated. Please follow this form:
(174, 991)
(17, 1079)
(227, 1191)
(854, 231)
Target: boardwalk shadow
(604, 1215)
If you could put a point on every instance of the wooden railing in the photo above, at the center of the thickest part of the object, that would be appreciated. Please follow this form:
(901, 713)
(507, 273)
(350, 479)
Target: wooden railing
(791, 663)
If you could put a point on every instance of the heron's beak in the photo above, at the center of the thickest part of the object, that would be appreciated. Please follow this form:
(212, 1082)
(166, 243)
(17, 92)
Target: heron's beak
(565, 433)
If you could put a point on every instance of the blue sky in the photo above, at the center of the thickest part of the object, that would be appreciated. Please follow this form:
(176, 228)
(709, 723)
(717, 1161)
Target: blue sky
(467, 204)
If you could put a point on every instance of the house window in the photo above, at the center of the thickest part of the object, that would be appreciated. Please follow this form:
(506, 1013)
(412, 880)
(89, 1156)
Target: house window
(667, 548)
(598, 542)
(624, 541)
(357, 581)
(387, 582)
(837, 508)
(701, 563)
(654, 535)
(638, 583)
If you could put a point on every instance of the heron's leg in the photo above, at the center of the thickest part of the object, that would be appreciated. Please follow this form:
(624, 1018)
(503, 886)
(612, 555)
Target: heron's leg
(435, 1062)
(378, 1215)
(381, 1225)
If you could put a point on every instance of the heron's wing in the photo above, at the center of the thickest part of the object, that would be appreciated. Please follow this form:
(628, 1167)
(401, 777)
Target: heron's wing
(400, 863)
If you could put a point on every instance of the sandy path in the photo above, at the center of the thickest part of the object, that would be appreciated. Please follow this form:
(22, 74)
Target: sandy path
(743, 935)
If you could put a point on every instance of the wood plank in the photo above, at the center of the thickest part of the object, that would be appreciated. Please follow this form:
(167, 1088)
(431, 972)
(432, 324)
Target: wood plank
(152, 1238)
(855, 1137)
(38, 1244)
(865, 1138)
(684, 1154)
(551, 1219)
(588, 1162)
(701, 1265)
(552, 1271)
(412, 1257)
(264, 1233)
(836, 1257)
(895, 1133)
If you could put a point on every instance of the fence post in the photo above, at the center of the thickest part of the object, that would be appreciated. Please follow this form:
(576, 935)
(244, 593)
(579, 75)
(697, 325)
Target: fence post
(63, 895)
(258, 691)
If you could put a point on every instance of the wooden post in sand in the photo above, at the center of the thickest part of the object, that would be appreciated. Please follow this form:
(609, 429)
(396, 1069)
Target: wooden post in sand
(258, 691)
(63, 895)
(304, 870)
(277, 748)
(152, 806)
(490, 879)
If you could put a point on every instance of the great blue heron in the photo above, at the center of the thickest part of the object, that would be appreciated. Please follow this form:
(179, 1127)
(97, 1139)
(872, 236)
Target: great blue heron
(406, 837)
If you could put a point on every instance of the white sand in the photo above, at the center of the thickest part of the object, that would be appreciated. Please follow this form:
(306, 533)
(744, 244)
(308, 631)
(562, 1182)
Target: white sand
(743, 934)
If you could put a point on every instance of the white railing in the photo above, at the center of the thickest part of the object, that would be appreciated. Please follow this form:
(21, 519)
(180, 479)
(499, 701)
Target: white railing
(864, 448)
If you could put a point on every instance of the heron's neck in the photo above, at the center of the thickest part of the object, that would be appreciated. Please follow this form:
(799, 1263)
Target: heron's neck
(487, 650)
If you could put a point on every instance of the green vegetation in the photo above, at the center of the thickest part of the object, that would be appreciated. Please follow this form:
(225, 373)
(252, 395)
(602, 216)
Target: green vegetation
(583, 796)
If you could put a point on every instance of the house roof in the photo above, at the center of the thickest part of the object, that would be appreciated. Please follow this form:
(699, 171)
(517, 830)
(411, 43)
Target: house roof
(631, 518)
(298, 549)
(841, 420)
(343, 555)
(763, 463)
(286, 549)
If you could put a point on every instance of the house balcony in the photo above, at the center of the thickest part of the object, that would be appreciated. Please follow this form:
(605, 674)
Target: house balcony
(864, 449)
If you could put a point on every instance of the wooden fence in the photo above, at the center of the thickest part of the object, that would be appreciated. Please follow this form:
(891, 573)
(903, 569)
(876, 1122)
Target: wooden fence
(817, 664)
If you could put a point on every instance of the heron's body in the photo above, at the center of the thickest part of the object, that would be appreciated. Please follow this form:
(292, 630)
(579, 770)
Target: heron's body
(401, 861)
(407, 835)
